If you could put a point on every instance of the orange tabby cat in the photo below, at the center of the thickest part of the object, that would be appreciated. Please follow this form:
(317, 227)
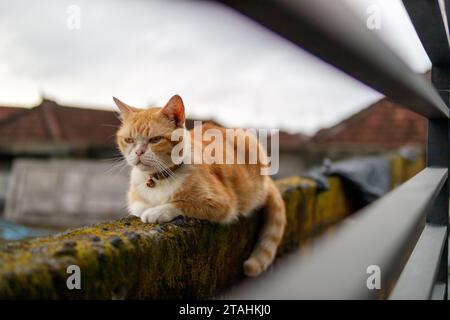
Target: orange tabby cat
(160, 190)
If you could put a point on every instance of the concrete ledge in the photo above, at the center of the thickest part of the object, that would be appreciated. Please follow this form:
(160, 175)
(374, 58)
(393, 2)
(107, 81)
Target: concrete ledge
(182, 259)
(187, 258)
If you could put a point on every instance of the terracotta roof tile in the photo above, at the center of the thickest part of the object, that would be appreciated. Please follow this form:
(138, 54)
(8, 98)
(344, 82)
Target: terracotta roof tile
(383, 125)
(292, 142)
(50, 122)
(7, 111)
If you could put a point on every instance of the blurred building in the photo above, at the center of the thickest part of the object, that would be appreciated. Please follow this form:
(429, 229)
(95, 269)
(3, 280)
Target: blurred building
(50, 130)
(382, 127)
(291, 154)
(65, 192)
(7, 111)
(50, 169)
(65, 145)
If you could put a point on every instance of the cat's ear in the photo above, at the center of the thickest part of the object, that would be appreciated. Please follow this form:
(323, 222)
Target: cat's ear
(125, 110)
(174, 110)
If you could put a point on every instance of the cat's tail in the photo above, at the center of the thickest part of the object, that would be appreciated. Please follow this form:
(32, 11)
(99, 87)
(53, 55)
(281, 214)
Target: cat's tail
(271, 234)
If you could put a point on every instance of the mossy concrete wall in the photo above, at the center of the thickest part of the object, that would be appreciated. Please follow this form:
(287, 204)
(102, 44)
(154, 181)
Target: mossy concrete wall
(186, 258)
(403, 169)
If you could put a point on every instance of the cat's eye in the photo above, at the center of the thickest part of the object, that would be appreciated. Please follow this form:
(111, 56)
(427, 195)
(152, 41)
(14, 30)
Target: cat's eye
(155, 139)
(129, 140)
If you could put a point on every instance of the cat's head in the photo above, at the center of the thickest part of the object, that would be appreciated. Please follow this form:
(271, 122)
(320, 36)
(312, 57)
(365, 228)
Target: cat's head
(144, 138)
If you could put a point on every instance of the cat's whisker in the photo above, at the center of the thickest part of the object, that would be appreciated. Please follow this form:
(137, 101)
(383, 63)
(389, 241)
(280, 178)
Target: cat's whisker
(164, 168)
(109, 125)
(125, 167)
(117, 166)
(113, 170)
(113, 159)
(116, 163)
(168, 170)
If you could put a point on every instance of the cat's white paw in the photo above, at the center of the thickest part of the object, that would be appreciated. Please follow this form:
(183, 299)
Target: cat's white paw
(160, 214)
(137, 208)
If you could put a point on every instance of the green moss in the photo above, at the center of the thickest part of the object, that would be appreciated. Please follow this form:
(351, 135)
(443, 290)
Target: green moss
(187, 258)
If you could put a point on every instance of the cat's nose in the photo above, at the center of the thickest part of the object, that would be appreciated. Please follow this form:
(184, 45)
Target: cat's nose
(140, 152)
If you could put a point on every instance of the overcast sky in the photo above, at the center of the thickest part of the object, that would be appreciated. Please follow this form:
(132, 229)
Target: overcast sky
(144, 51)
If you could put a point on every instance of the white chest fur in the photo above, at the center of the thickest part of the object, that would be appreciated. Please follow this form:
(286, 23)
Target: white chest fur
(161, 192)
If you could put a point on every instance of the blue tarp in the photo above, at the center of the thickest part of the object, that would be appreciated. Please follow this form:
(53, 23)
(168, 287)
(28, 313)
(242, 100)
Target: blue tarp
(13, 231)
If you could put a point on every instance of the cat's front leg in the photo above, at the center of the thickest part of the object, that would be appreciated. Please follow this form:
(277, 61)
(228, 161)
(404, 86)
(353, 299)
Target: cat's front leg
(160, 214)
(136, 208)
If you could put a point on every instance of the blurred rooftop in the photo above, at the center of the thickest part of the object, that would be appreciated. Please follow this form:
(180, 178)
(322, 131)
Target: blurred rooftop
(382, 126)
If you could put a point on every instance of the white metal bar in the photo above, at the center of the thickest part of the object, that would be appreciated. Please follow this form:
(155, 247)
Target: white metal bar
(379, 237)
(419, 275)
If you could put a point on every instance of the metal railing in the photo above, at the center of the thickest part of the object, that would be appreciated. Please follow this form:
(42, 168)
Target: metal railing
(404, 233)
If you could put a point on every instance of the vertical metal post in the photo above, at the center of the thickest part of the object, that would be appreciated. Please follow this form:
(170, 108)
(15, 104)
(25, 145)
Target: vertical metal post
(438, 154)
(435, 40)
